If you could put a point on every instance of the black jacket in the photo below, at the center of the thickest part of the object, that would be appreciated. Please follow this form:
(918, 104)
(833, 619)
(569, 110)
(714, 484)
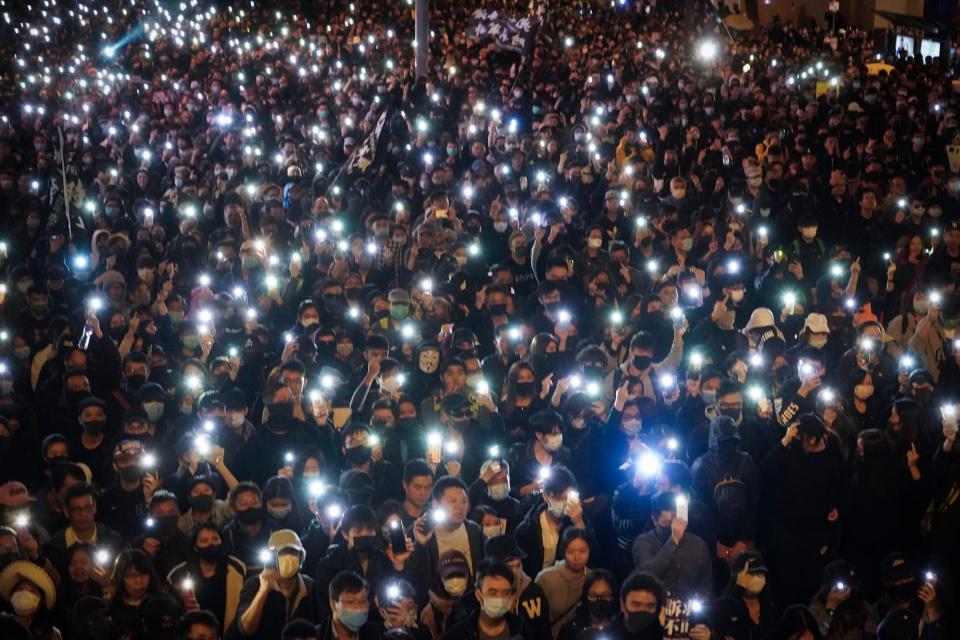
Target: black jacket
(468, 629)
(529, 537)
(339, 558)
(421, 567)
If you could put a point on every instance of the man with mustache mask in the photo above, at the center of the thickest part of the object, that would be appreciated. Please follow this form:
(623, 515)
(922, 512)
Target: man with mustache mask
(360, 553)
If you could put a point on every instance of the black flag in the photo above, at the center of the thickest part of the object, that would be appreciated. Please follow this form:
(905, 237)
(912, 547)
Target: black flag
(370, 152)
(508, 33)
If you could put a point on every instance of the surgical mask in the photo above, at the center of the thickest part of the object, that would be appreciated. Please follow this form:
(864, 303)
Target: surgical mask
(154, 410)
(632, 427)
(595, 243)
(498, 492)
(500, 226)
(556, 508)
(352, 619)
(553, 441)
(25, 603)
(235, 420)
(390, 384)
(578, 423)
(491, 531)
(288, 565)
(496, 608)
(279, 513)
(455, 586)
(344, 349)
(921, 306)
(191, 342)
(686, 244)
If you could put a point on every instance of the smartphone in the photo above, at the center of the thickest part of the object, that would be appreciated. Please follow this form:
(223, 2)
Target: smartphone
(683, 508)
(398, 537)
(434, 517)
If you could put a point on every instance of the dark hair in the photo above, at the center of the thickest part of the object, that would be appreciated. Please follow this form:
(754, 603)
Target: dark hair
(415, 469)
(346, 582)
(643, 581)
(487, 569)
(677, 472)
(78, 490)
(162, 495)
(663, 501)
(242, 487)
(447, 482)
(359, 516)
(559, 480)
(569, 535)
(64, 469)
(299, 629)
(597, 575)
(202, 617)
(544, 421)
(209, 525)
(133, 559)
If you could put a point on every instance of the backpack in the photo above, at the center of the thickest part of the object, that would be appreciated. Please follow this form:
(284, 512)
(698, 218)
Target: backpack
(732, 499)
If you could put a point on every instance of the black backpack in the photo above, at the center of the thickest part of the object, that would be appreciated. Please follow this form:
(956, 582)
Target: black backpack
(732, 499)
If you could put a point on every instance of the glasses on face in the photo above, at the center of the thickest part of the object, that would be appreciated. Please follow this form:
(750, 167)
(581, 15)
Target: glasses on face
(731, 405)
(83, 508)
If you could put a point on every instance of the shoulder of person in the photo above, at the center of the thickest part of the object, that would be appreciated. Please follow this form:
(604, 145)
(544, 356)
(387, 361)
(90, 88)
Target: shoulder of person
(236, 564)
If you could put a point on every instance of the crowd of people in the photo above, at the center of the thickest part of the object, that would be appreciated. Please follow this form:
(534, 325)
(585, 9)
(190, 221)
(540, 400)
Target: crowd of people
(647, 331)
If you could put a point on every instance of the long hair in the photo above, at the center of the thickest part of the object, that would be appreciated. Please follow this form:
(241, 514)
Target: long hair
(510, 385)
(133, 559)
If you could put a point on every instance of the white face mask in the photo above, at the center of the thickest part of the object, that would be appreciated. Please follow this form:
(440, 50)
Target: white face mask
(595, 243)
(25, 603)
(498, 492)
(235, 420)
(491, 531)
(553, 441)
(390, 384)
(736, 295)
(455, 586)
(753, 584)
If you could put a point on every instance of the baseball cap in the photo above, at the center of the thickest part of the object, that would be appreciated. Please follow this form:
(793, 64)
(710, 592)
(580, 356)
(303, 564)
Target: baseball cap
(453, 563)
(503, 547)
(13, 494)
(754, 559)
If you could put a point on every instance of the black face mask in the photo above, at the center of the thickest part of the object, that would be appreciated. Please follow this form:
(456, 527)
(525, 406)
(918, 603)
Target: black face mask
(922, 396)
(498, 309)
(250, 516)
(637, 621)
(281, 412)
(728, 448)
(641, 363)
(74, 397)
(165, 526)
(364, 545)
(359, 455)
(524, 389)
(202, 503)
(662, 533)
(209, 554)
(93, 427)
(130, 474)
(734, 414)
(904, 591)
(601, 609)
(135, 381)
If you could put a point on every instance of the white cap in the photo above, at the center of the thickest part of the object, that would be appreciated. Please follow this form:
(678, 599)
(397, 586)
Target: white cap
(761, 317)
(816, 323)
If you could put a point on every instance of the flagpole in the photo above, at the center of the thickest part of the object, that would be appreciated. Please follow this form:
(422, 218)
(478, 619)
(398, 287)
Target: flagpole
(422, 35)
(63, 176)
